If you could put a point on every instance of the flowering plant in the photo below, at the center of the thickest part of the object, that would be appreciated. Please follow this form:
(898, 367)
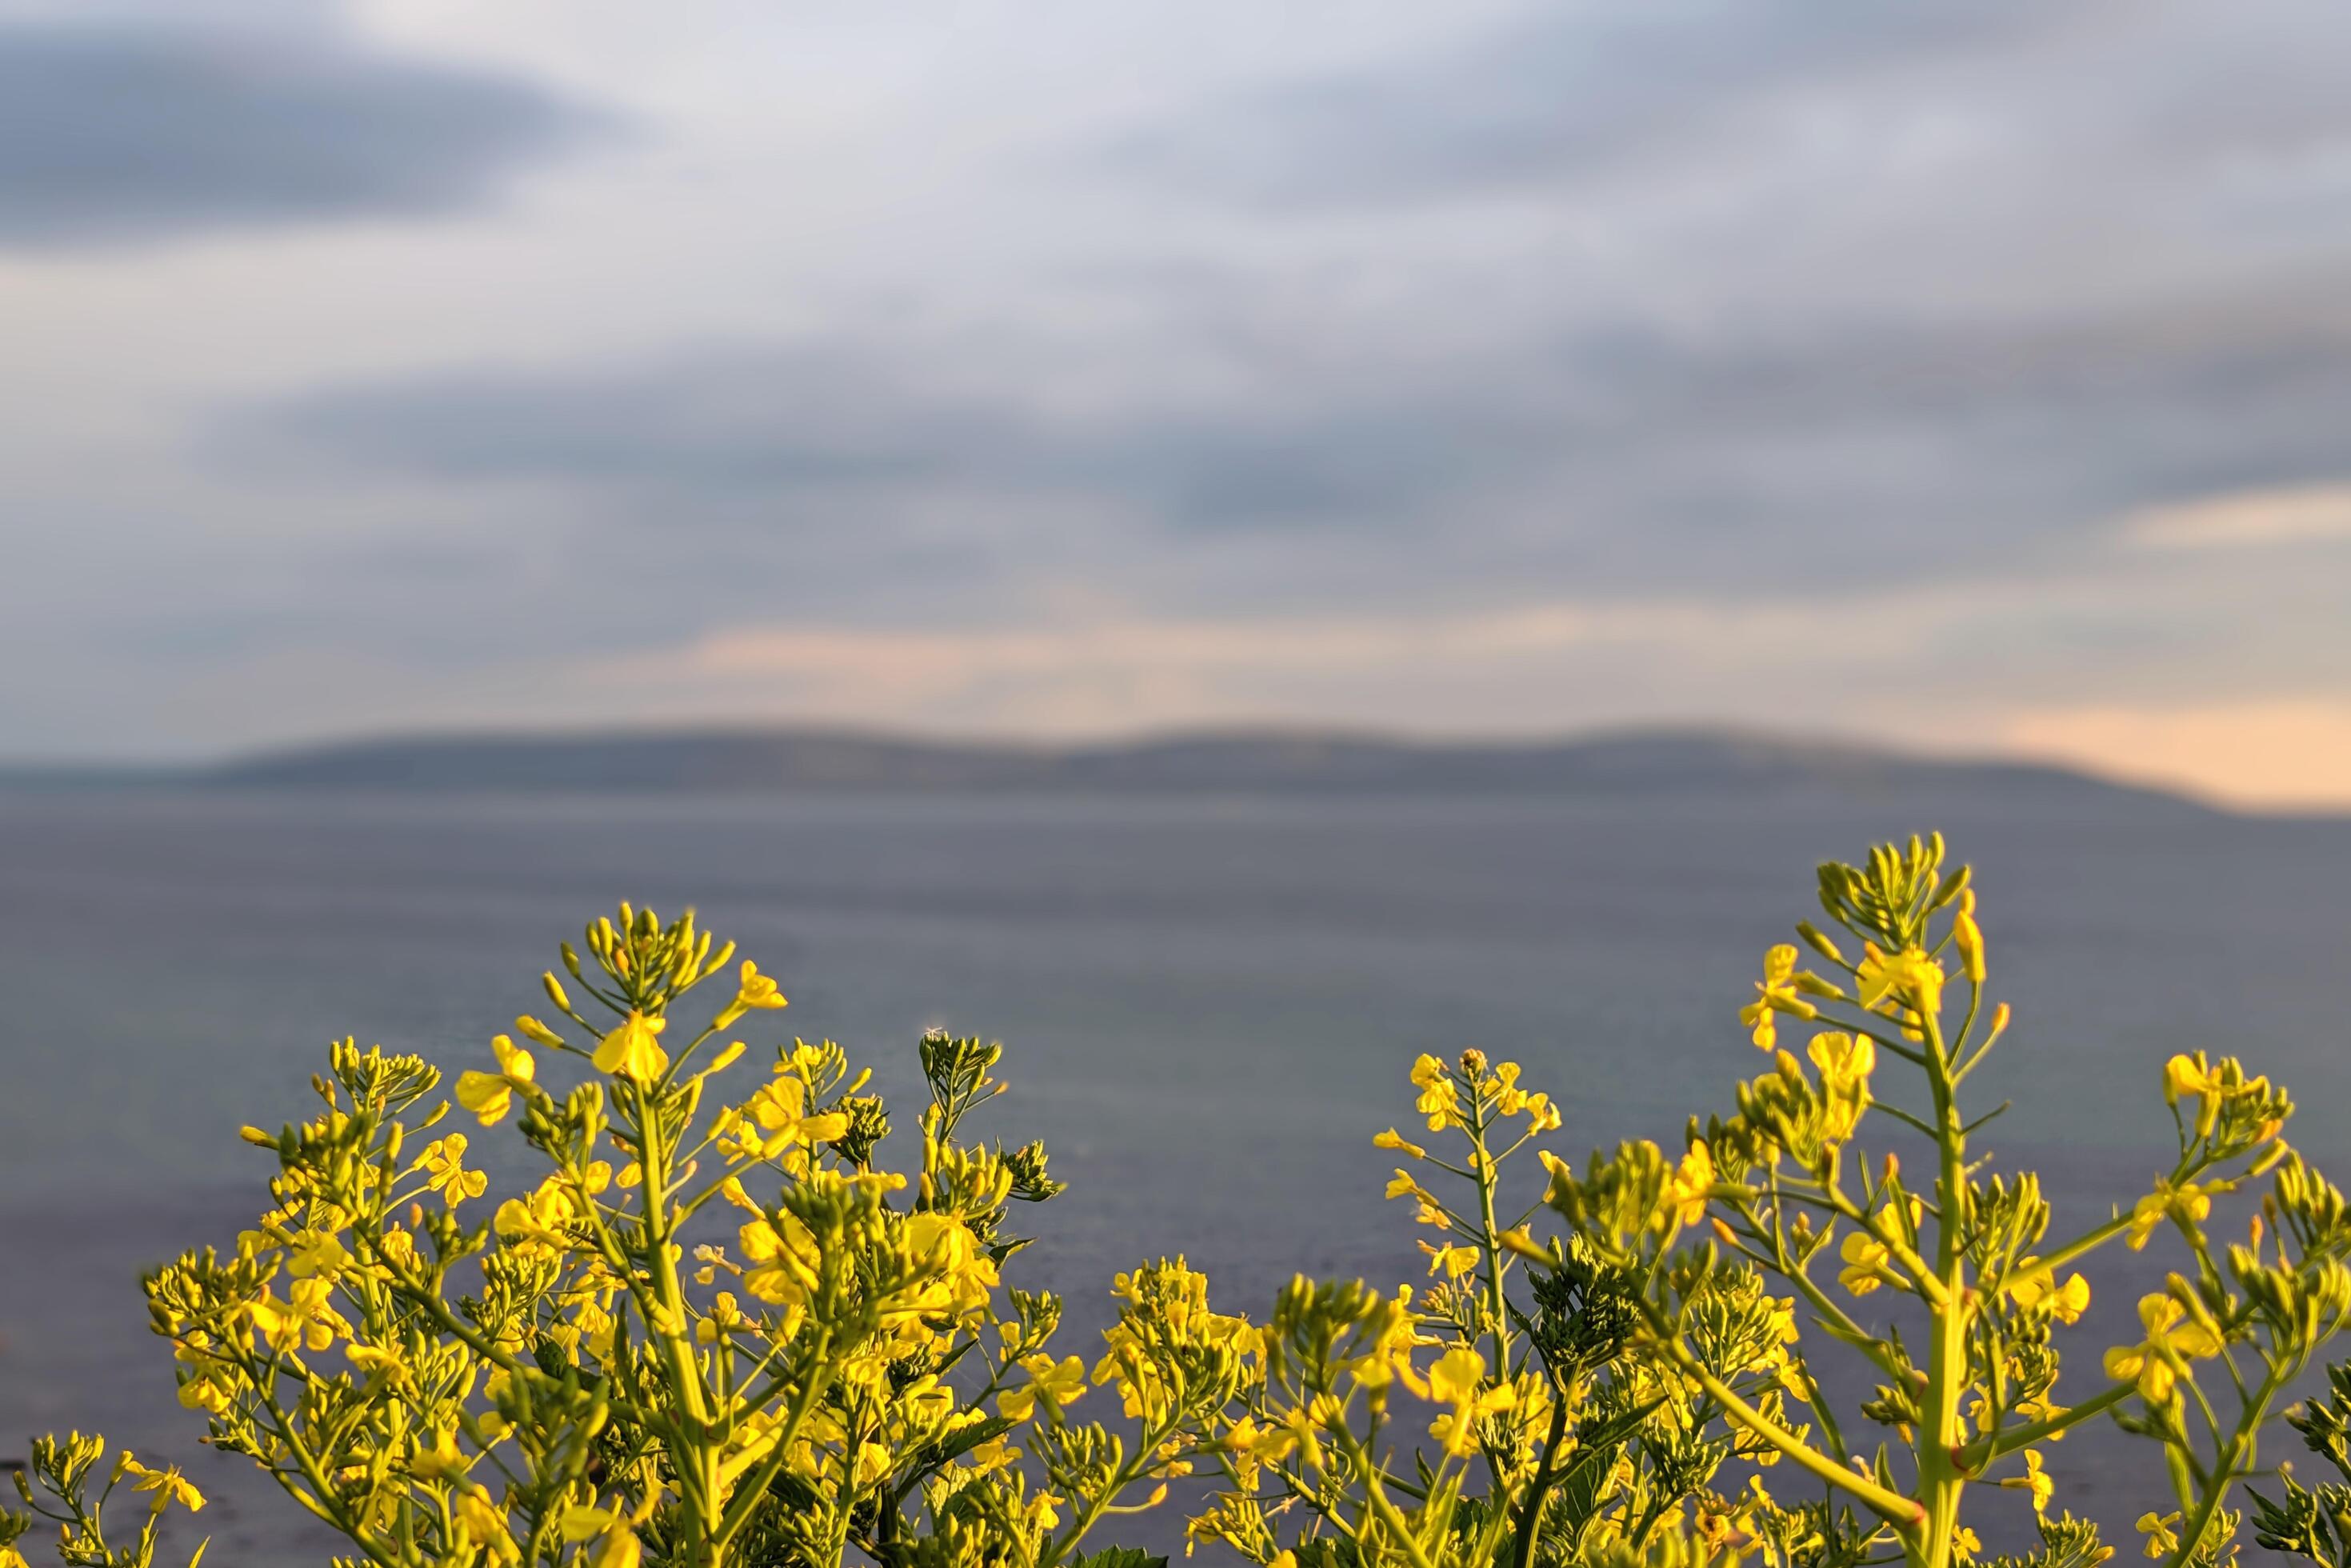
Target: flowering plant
(713, 1331)
(1784, 1190)
(722, 1333)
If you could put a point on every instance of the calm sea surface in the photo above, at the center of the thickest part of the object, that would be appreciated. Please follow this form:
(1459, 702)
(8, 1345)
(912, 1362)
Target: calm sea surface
(1209, 1006)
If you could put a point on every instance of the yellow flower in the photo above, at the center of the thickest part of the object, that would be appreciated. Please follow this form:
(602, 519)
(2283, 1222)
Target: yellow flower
(1911, 978)
(2066, 1302)
(783, 1260)
(443, 1163)
(1055, 1382)
(758, 990)
(1845, 1061)
(2186, 1202)
(1392, 1139)
(1688, 1188)
(442, 1460)
(1965, 1542)
(2152, 1364)
(1456, 1379)
(2185, 1075)
(1455, 1261)
(2035, 1480)
(484, 1524)
(167, 1485)
(1438, 1099)
(1775, 994)
(318, 1253)
(722, 1320)
(1866, 1262)
(2162, 1540)
(490, 1095)
(634, 1049)
(307, 1319)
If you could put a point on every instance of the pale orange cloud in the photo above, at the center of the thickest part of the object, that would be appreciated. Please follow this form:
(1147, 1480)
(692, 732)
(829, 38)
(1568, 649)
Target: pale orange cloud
(2245, 520)
(2284, 755)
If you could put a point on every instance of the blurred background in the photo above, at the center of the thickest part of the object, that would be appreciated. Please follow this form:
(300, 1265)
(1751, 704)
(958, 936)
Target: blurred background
(1666, 443)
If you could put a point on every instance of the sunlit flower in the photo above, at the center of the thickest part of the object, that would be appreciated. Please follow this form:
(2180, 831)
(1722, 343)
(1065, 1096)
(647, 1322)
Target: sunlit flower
(2152, 1364)
(490, 1095)
(632, 1049)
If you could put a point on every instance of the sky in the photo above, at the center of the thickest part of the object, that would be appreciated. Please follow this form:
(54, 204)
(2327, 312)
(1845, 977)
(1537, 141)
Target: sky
(1970, 377)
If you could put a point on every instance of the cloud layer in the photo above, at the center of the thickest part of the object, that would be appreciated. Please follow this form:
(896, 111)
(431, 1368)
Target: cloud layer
(1937, 371)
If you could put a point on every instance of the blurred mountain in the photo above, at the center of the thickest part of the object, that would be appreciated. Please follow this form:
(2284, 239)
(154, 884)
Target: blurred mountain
(1679, 763)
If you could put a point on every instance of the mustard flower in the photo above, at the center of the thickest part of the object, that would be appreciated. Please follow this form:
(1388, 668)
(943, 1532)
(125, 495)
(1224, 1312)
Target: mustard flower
(1688, 1188)
(490, 1095)
(1866, 1263)
(1911, 978)
(444, 1163)
(2039, 1286)
(166, 1486)
(1457, 1379)
(632, 1049)
(758, 990)
(2152, 1364)
(2186, 1202)
(1775, 994)
(2035, 1480)
(1056, 1383)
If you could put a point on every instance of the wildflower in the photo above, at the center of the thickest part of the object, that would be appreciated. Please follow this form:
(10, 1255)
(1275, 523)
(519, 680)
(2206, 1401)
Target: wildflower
(2035, 1480)
(2162, 1539)
(1457, 1379)
(1455, 1261)
(318, 1253)
(2185, 1202)
(1911, 978)
(1055, 1382)
(444, 1163)
(632, 1049)
(1866, 1263)
(758, 990)
(722, 1320)
(1965, 1542)
(167, 1485)
(307, 1319)
(1688, 1188)
(1437, 1100)
(1845, 1061)
(1775, 994)
(2066, 1302)
(2153, 1363)
(782, 1260)
(484, 1524)
(442, 1460)
(1392, 1139)
(490, 1095)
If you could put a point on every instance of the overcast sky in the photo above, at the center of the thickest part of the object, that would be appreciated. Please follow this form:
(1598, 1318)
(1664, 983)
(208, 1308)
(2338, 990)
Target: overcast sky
(1972, 377)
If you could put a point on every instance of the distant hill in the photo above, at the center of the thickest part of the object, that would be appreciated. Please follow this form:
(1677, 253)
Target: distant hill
(1681, 763)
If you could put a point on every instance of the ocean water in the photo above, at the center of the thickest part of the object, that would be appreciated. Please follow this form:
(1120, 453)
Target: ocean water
(1209, 1006)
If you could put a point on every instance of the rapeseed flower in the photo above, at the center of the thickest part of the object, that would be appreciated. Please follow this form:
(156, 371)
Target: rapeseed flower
(632, 1049)
(2153, 1364)
(164, 1487)
(490, 1095)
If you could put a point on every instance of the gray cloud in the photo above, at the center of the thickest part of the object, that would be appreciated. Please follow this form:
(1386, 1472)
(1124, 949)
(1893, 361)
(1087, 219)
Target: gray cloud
(123, 133)
(1630, 457)
(1567, 88)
